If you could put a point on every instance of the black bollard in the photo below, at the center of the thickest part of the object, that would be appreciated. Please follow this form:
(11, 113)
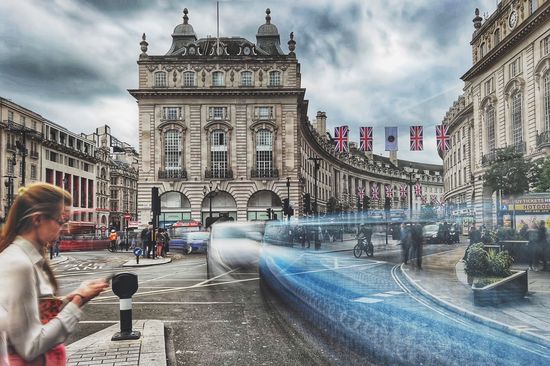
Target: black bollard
(124, 286)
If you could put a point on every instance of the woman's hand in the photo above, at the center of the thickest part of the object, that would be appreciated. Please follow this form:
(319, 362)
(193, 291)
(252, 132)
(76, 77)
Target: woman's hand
(87, 291)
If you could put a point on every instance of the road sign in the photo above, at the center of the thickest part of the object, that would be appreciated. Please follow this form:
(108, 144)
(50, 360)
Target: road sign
(127, 216)
(138, 252)
(133, 224)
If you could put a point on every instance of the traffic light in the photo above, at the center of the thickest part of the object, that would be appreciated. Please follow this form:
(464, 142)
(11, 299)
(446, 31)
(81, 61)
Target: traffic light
(366, 203)
(307, 203)
(268, 210)
(286, 206)
(155, 201)
(387, 204)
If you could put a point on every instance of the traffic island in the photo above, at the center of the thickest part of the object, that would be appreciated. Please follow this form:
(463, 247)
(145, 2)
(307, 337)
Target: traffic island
(510, 288)
(145, 262)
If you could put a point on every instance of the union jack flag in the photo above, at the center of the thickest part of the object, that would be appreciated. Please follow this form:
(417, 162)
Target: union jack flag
(442, 137)
(341, 137)
(418, 189)
(365, 139)
(361, 193)
(424, 200)
(434, 200)
(374, 192)
(403, 191)
(417, 138)
(389, 191)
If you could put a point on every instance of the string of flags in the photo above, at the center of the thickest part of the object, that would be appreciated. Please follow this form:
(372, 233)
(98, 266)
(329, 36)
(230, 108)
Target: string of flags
(366, 138)
(403, 193)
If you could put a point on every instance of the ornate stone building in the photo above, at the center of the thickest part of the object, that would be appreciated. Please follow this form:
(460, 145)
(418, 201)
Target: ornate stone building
(506, 100)
(224, 131)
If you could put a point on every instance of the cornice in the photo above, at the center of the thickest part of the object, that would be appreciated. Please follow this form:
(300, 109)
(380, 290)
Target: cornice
(510, 41)
(160, 93)
(462, 114)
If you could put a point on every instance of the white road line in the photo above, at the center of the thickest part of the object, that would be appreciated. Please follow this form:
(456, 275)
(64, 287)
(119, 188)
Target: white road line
(367, 300)
(167, 303)
(372, 264)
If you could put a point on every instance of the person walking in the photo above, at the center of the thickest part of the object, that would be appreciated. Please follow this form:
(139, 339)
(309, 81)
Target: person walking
(405, 235)
(541, 250)
(533, 237)
(56, 247)
(416, 244)
(474, 236)
(37, 322)
(112, 239)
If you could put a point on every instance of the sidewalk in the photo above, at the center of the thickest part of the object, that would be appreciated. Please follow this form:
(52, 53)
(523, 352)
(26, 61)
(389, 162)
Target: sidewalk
(98, 348)
(443, 280)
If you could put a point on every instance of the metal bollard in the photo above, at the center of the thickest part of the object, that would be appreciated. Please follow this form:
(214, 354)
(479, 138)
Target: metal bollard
(137, 253)
(125, 286)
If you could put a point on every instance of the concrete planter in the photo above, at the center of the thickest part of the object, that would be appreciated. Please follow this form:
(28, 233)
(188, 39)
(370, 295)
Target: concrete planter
(513, 287)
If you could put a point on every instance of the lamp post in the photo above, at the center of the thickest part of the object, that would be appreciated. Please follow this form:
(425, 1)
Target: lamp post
(410, 193)
(288, 197)
(211, 193)
(9, 186)
(316, 160)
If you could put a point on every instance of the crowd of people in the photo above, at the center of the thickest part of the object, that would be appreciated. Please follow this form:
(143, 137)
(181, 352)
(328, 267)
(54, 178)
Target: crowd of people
(155, 242)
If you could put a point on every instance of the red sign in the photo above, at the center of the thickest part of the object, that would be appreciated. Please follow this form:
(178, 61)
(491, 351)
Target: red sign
(103, 228)
(127, 216)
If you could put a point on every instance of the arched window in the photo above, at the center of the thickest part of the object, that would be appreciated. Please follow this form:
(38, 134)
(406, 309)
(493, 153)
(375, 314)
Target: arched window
(189, 78)
(172, 150)
(482, 49)
(490, 127)
(517, 126)
(533, 6)
(160, 79)
(497, 36)
(546, 101)
(264, 153)
(274, 78)
(217, 78)
(218, 154)
(246, 78)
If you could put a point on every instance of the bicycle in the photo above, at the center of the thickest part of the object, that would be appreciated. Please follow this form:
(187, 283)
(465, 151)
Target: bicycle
(363, 245)
(112, 247)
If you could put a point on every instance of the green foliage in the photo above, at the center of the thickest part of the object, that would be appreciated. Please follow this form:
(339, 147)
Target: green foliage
(506, 233)
(485, 281)
(539, 175)
(509, 173)
(476, 260)
(499, 264)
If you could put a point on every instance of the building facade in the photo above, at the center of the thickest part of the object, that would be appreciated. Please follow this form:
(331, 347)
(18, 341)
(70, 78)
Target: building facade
(224, 132)
(506, 101)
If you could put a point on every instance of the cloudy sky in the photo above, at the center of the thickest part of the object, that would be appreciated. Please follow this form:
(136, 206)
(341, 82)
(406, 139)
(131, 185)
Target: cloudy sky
(364, 62)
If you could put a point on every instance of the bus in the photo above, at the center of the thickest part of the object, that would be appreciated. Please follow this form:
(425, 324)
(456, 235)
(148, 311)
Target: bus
(177, 229)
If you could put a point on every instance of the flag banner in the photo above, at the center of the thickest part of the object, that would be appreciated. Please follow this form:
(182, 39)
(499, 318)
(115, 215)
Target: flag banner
(341, 135)
(442, 137)
(424, 200)
(417, 138)
(374, 192)
(434, 200)
(389, 191)
(365, 138)
(418, 189)
(403, 191)
(391, 138)
(361, 193)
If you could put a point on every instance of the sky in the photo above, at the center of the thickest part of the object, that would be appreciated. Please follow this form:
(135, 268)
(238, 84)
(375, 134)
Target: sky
(377, 63)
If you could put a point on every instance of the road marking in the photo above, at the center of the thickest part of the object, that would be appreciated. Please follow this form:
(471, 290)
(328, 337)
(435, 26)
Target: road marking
(383, 295)
(166, 303)
(367, 300)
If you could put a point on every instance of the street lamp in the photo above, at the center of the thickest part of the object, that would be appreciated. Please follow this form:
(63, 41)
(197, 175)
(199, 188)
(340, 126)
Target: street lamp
(411, 172)
(211, 193)
(9, 185)
(316, 160)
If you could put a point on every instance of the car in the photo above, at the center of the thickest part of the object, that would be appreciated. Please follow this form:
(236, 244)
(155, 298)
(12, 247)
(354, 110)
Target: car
(233, 246)
(431, 233)
(193, 241)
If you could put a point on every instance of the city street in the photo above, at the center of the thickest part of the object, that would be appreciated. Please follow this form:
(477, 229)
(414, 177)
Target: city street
(232, 321)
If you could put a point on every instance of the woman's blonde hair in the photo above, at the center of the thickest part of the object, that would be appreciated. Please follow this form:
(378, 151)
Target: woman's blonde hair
(42, 199)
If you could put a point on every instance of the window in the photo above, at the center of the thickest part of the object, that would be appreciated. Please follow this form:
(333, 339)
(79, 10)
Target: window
(515, 67)
(172, 113)
(489, 86)
(545, 46)
(172, 150)
(34, 125)
(246, 78)
(274, 78)
(160, 79)
(10, 166)
(265, 112)
(10, 116)
(264, 153)
(189, 78)
(218, 113)
(22, 120)
(217, 78)
(517, 127)
(490, 127)
(546, 101)
(497, 36)
(482, 50)
(533, 6)
(218, 154)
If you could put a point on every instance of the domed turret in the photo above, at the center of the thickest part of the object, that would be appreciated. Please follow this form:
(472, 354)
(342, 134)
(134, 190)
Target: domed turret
(183, 34)
(268, 36)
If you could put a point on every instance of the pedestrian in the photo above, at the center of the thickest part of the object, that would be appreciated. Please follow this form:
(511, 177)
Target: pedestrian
(133, 243)
(542, 244)
(160, 242)
(474, 236)
(56, 247)
(523, 230)
(533, 237)
(405, 235)
(113, 238)
(416, 244)
(37, 322)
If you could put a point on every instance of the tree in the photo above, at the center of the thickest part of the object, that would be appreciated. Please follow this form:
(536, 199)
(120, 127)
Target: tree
(539, 176)
(510, 172)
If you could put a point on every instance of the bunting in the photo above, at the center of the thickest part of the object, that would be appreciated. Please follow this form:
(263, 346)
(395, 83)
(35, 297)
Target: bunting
(424, 200)
(365, 139)
(341, 135)
(374, 193)
(389, 191)
(417, 138)
(361, 193)
(418, 189)
(391, 139)
(434, 200)
(442, 137)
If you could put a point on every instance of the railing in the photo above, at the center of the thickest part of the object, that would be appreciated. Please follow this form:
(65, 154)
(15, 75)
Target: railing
(543, 139)
(219, 174)
(490, 157)
(264, 173)
(11, 147)
(172, 174)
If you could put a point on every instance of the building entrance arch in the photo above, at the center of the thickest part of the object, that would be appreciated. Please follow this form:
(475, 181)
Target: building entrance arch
(223, 206)
(174, 207)
(260, 201)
